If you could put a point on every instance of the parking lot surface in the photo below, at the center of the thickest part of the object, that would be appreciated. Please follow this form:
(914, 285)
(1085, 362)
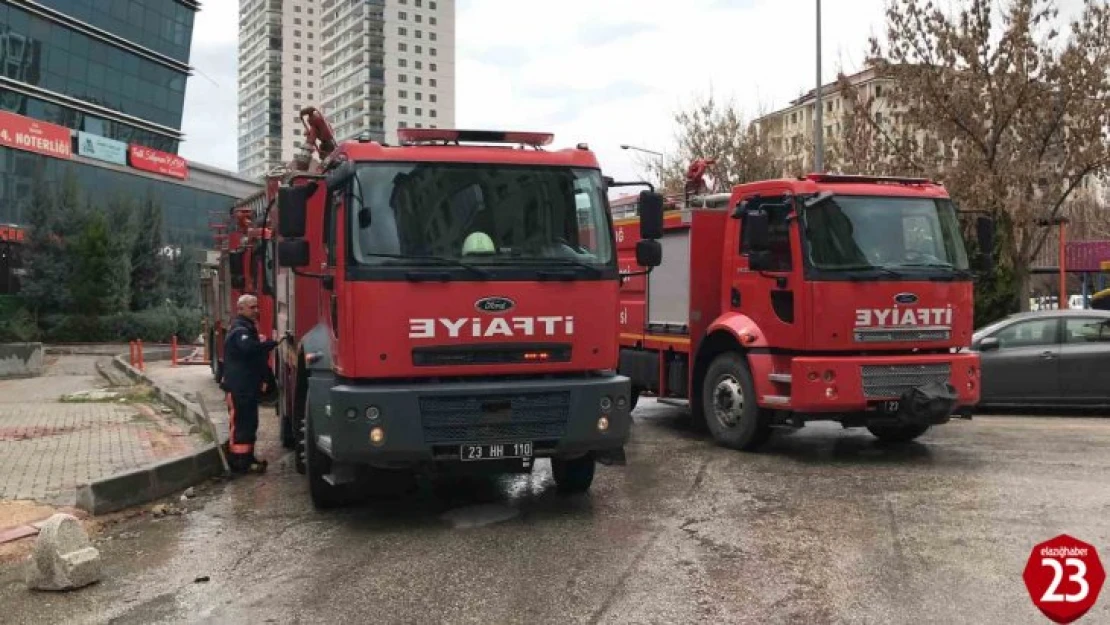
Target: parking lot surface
(823, 526)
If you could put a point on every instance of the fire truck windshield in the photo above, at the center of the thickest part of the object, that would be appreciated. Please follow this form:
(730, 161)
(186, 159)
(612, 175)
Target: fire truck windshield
(487, 215)
(900, 234)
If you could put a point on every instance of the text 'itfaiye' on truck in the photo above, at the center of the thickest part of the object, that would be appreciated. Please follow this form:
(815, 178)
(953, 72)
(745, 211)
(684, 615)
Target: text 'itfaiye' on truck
(452, 303)
(826, 297)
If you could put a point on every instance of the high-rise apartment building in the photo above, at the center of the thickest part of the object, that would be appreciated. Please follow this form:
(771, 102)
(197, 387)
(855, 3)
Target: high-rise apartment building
(371, 66)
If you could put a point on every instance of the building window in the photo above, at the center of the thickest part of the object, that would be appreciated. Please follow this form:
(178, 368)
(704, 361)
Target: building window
(432, 112)
(432, 81)
(401, 30)
(432, 36)
(431, 97)
(433, 66)
(402, 94)
(432, 20)
(402, 63)
(404, 110)
(404, 47)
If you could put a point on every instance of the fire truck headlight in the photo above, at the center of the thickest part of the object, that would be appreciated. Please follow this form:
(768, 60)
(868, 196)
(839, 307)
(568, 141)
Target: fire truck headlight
(377, 436)
(373, 413)
(606, 404)
(603, 424)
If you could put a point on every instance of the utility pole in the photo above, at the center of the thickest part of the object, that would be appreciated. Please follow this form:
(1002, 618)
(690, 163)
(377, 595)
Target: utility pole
(819, 125)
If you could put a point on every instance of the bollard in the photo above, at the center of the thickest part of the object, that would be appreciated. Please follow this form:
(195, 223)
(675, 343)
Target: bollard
(173, 351)
(133, 357)
(139, 348)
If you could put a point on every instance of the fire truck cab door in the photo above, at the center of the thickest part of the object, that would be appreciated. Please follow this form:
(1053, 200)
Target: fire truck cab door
(766, 294)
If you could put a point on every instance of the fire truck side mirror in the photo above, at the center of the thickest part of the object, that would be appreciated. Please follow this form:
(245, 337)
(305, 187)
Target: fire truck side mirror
(293, 253)
(649, 253)
(757, 228)
(235, 269)
(651, 215)
(292, 208)
(984, 231)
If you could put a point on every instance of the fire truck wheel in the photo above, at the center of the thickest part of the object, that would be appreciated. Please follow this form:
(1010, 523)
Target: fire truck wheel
(288, 440)
(323, 495)
(573, 476)
(897, 433)
(728, 398)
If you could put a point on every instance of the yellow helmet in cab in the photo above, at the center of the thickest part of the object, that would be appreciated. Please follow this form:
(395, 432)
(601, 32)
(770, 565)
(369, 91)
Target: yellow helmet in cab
(478, 243)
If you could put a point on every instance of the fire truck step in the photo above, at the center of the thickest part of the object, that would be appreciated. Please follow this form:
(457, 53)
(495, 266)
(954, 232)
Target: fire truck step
(779, 400)
(781, 378)
(678, 403)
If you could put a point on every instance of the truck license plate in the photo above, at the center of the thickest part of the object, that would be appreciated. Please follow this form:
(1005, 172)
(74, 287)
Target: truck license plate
(892, 406)
(495, 451)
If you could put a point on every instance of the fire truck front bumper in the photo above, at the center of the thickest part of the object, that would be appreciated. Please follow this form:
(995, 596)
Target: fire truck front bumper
(921, 388)
(514, 421)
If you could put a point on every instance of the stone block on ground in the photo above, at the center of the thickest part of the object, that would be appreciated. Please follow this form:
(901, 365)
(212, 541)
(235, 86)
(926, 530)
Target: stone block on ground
(63, 557)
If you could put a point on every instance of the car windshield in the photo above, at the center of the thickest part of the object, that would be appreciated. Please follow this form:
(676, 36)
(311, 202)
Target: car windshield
(863, 232)
(479, 214)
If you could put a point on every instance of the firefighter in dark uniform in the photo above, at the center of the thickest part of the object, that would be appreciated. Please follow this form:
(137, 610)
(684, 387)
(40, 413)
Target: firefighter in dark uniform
(246, 371)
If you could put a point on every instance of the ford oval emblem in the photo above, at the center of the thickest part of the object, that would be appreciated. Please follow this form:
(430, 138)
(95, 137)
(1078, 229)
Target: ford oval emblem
(905, 298)
(494, 305)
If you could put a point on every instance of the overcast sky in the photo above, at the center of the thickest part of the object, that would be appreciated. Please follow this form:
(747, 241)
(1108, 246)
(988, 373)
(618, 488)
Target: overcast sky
(605, 72)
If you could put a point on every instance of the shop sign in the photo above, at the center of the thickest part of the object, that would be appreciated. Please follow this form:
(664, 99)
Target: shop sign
(158, 162)
(101, 148)
(32, 135)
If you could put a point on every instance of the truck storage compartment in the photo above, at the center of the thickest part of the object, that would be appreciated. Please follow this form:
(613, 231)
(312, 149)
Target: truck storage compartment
(669, 284)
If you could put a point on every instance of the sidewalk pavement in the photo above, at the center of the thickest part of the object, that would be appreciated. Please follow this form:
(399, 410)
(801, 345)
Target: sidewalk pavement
(189, 380)
(48, 447)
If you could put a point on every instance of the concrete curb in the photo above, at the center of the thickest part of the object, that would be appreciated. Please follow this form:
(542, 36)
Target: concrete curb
(147, 484)
(182, 406)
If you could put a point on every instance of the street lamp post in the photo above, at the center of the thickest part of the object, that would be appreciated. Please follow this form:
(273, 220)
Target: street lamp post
(819, 126)
(625, 146)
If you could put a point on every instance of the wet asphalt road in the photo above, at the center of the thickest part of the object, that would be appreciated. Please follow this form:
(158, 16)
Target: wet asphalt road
(824, 526)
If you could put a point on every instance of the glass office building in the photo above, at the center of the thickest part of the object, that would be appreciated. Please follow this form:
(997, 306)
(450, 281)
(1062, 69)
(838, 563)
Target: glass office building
(96, 89)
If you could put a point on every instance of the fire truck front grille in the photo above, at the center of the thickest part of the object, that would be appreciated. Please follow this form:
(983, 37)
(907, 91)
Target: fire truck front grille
(894, 335)
(891, 381)
(499, 418)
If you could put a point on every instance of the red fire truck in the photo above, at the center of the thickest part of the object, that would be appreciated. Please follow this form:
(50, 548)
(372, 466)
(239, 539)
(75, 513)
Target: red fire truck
(451, 304)
(244, 249)
(825, 297)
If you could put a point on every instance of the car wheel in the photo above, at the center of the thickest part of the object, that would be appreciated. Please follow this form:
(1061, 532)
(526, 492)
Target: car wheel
(728, 400)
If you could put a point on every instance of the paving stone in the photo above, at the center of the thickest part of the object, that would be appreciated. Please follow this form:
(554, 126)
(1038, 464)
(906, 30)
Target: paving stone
(48, 448)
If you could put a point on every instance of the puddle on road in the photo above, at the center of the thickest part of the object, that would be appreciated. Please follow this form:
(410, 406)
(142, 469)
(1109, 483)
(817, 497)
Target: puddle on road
(480, 515)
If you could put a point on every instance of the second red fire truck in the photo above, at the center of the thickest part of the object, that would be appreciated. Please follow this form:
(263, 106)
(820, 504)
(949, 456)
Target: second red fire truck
(825, 297)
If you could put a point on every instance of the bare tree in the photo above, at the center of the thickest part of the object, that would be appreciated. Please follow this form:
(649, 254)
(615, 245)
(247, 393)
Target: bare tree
(714, 130)
(998, 105)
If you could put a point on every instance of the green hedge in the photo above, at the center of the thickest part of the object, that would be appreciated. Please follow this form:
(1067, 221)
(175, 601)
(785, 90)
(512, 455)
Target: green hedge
(157, 325)
(16, 324)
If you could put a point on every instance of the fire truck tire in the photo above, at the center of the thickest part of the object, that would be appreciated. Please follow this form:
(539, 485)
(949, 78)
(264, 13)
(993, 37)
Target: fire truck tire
(573, 476)
(635, 398)
(898, 433)
(324, 495)
(729, 403)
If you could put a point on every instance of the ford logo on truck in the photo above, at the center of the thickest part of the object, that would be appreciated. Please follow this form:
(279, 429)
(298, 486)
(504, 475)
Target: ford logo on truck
(494, 305)
(905, 298)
